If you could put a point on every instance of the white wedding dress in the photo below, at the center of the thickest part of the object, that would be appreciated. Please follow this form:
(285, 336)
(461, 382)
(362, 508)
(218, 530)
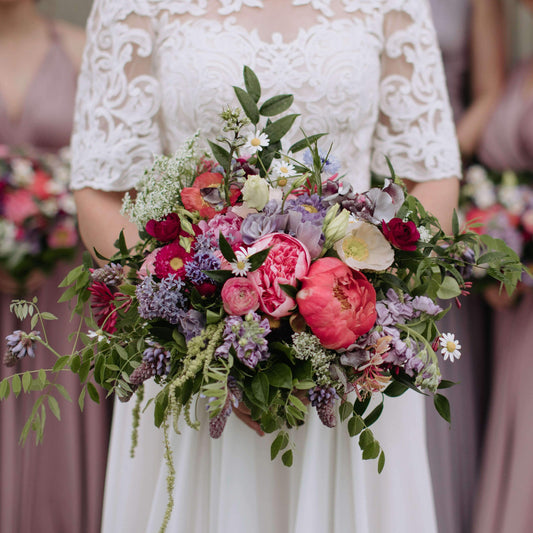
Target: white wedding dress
(369, 73)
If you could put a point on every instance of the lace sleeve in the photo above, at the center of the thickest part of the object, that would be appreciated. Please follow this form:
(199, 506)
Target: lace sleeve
(116, 130)
(415, 128)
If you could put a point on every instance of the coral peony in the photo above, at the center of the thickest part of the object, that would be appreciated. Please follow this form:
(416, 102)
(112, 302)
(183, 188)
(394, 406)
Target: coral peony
(239, 296)
(193, 198)
(287, 262)
(338, 303)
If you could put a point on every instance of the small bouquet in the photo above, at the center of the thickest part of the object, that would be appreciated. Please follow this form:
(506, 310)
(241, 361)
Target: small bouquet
(499, 204)
(263, 277)
(37, 213)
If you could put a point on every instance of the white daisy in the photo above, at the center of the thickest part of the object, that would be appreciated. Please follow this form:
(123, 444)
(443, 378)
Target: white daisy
(241, 266)
(255, 143)
(450, 347)
(282, 170)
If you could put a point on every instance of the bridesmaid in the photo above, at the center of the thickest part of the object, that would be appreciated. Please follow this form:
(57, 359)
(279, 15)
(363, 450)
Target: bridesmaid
(56, 487)
(506, 490)
(471, 41)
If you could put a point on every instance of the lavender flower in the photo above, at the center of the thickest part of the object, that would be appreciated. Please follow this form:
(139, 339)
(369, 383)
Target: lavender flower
(20, 344)
(161, 300)
(156, 362)
(247, 337)
(203, 260)
(323, 399)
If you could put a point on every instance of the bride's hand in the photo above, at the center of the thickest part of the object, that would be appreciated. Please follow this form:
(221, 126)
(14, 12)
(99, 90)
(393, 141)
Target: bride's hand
(244, 414)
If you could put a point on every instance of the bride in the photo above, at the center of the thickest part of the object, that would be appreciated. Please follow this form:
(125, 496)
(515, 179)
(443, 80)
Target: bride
(369, 73)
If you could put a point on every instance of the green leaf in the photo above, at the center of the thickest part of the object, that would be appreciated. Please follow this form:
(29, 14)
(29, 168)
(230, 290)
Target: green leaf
(374, 415)
(455, 223)
(395, 389)
(279, 443)
(366, 439)
(252, 83)
(381, 462)
(248, 104)
(289, 290)
(297, 403)
(260, 388)
(48, 316)
(68, 295)
(221, 154)
(16, 385)
(276, 105)
(445, 384)
(443, 407)
(93, 393)
(257, 259)
(276, 130)
(161, 403)
(305, 143)
(268, 423)
(345, 410)
(449, 289)
(4, 389)
(371, 451)
(287, 458)
(355, 425)
(63, 391)
(221, 276)
(54, 407)
(280, 375)
(72, 276)
(81, 398)
(179, 339)
(34, 320)
(123, 354)
(359, 407)
(26, 381)
(226, 249)
(61, 363)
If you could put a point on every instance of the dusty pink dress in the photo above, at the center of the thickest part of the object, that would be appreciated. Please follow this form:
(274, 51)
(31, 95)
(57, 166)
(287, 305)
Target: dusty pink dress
(56, 487)
(505, 503)
(454, 452)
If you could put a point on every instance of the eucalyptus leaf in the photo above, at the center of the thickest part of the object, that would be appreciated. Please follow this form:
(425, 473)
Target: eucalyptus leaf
(355, 425)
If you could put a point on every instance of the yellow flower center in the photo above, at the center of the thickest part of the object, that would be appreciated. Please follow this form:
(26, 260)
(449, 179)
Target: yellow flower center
(176, 263)
(282, 182)
(451, 346)
(284, 170)
(310, 208)
(241, 265)
(355, 248)
(256, 141)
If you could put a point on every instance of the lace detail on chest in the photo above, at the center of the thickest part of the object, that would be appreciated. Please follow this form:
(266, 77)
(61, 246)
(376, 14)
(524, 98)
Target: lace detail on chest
(371, 77)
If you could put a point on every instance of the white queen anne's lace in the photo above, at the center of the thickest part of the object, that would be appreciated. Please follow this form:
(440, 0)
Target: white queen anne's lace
(366, 71)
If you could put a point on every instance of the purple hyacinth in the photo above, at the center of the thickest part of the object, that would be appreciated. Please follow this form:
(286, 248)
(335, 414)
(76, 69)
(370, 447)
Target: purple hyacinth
(247, 337)
(20, 344)
(203, 260)
(218, 422)
(156, 362)
(323, 399)
(161, 300)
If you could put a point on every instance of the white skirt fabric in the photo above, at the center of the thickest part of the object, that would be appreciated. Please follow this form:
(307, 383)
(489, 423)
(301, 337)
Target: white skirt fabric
(230, 485)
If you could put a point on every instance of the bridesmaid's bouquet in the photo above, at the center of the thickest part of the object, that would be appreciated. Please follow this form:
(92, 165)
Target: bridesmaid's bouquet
(37, 213)
(499, 204)
(262, 278)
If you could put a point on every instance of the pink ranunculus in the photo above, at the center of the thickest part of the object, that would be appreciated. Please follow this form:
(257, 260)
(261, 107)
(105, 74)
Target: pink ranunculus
(19, 205)
(239, 296)
(338, 303)
(287, 262)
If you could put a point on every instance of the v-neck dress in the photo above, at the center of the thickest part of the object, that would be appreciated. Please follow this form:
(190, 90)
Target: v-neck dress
(55, 487)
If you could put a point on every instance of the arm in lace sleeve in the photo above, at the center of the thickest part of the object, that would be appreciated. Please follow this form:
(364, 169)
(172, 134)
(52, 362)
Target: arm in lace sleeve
(415, 128)
(116, 128)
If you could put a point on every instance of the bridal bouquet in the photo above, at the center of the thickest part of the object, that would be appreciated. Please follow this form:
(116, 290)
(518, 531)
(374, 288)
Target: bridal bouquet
(261, 277)
(37, 213)
(500, 204)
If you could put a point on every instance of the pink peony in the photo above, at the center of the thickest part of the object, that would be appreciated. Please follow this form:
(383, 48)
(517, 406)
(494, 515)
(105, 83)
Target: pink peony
(19, 205)
(239, 296)
(338, 303)
(228, 223)
(287, 262)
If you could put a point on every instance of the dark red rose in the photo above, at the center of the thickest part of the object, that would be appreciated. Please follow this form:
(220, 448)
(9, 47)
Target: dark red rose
(206, 288)
(402, 235)
(165, 230)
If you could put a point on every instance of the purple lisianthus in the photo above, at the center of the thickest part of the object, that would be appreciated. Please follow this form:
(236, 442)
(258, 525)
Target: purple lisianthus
(310, 206)
(258, 225)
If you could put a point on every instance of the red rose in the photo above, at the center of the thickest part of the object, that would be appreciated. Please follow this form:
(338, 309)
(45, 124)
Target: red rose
(338, 303)
(402, 235)
(165, 230)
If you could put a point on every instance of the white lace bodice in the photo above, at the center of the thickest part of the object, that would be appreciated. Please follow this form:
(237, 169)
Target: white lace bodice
(367, 71)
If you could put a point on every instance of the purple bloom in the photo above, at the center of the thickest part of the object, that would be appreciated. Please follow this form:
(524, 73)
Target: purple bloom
(311, 208)
(426, 305)
(203, 260)
(247, 337)
(20, 344)
(330, 165)
(257, 225)
(191, 323)
(161, 300)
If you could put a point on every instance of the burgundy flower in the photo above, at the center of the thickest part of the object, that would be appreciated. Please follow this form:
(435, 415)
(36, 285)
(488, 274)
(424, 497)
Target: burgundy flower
(402, 235)
(103, 306)
(165, 230)
(171, 259)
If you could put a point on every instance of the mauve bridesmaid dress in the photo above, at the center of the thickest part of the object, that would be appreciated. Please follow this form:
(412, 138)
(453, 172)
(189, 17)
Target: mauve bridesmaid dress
(505, 501)
(454, 452)
(56, 487)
